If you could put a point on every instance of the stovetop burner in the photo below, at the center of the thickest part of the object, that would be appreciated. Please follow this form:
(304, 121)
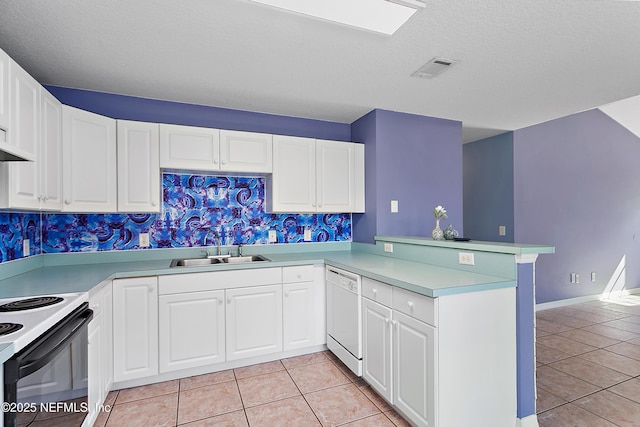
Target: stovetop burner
(7, 328)
(29, 303)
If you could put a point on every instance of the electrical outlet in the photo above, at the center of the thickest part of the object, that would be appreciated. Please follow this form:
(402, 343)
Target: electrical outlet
(572, 278)
(388, 247)
(466, 258)
(577, 278)
(143, 240)
(307, 235)
(394, 206)
(502, 230)
(25, 247)
(593, 276)
(273, 237)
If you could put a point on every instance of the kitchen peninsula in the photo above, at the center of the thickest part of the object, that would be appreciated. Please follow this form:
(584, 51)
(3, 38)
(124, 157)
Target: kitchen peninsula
(484, 314)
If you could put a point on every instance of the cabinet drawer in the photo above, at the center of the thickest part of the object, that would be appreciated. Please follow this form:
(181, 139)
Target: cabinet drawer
(415, 305)
(377, 291)
(298, 273)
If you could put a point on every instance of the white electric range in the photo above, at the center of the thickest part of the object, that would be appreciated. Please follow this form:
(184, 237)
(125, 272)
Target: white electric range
(34, 321)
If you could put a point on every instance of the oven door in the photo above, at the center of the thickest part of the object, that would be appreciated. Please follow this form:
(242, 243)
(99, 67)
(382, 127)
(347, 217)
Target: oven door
(48, 378)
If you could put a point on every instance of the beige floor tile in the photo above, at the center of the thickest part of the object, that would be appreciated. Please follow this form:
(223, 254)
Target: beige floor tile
(377, 400)
(208, 401)
(284, 413)
(346, 371)
(378, 420)
(317, 377)
(304, 360)
(565, 345)
(546, 355)
(73, 419)
(231, 419)
(157, 411)
(571, 416)
(145, 391)
(547, 400)
(551, 327)
(589, 338)
(571, 321)
(629, 389)
(626, 349)
(267, 388)
(615, 361)
(591, 372)
(397, 419)
(206, 379)
(339, 405)
(617, 409)
(563, 385)
(611, 332)
(259, 369)
(624, 325)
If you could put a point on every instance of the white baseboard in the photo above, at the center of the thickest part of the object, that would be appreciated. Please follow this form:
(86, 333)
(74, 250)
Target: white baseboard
(578, 300)
(530, 421)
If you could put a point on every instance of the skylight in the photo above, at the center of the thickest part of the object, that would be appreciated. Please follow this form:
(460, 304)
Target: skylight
(382, 16)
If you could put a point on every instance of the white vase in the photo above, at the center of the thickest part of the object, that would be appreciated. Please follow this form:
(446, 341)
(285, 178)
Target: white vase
(437, 233)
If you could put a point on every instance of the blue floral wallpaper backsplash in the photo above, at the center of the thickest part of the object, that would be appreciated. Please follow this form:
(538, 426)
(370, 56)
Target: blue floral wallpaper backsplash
(194, 207)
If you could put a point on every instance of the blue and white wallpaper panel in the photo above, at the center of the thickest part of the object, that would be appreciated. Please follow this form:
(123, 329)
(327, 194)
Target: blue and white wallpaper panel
(14, 228)
(194, 207)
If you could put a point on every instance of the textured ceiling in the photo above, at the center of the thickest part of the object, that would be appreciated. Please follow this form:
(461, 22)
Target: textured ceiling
(522, 62)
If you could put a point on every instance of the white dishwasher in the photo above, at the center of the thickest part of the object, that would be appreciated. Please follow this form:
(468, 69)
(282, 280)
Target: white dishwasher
(344, 317)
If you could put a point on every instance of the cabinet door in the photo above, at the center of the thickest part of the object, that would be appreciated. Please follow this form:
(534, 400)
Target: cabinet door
(96, 364)
(138, 167)
(187, 147)
(107, 338)
(254, 321)
(135, 328)
(335, 176)
(89, 161)
(50, 152)
(5, 110)
(292, 186)
(24, 177)
(414, 367)
(298, 315)
(245, 152)
(191, 330)
(376, 347)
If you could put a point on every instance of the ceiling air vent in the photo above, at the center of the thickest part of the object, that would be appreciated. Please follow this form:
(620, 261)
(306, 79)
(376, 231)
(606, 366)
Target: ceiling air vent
(434, 67)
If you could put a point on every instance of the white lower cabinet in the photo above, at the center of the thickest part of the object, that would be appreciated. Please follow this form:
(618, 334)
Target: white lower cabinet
(298, 307)
(254, 321)
(376, 346)
(135, 328)
(192, 330)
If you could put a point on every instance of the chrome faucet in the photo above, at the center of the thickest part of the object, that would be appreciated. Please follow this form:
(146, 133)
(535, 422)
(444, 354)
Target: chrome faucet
(216, 236)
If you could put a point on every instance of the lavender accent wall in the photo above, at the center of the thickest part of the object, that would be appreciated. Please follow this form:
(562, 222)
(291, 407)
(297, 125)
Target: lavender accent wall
(416, 160)
(488, 188)
(14, 228)
(575, 182)
(152, 110)
(194, 207)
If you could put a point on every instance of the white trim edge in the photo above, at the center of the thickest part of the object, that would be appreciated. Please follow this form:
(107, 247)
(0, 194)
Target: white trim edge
(578, 300)
(526, 258)
(530, 421)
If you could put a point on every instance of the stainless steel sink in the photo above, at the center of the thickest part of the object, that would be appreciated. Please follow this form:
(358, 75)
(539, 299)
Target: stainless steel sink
(202, 262)
(245, 258)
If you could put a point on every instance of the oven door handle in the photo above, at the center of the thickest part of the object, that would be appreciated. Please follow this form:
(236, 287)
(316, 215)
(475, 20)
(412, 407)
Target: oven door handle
(49, 344)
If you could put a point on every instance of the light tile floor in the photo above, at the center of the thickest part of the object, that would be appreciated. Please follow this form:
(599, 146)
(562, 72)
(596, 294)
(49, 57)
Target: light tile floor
(588, 358)
(311, 390)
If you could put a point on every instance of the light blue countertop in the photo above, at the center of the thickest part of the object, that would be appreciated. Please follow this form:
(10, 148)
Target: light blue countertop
(426, 279)
(472, 245)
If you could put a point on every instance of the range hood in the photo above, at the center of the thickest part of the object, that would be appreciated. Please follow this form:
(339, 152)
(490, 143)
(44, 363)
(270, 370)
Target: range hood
(11, 153)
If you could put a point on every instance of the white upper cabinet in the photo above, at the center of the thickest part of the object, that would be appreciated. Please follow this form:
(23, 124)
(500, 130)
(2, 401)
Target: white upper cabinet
(188, 147)
(292, 187)
(89, 161)
(50, 157)
(316, 176)
(22, 178)
(138, 167)
(195, 148)
(245, 151)
(5, 116)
